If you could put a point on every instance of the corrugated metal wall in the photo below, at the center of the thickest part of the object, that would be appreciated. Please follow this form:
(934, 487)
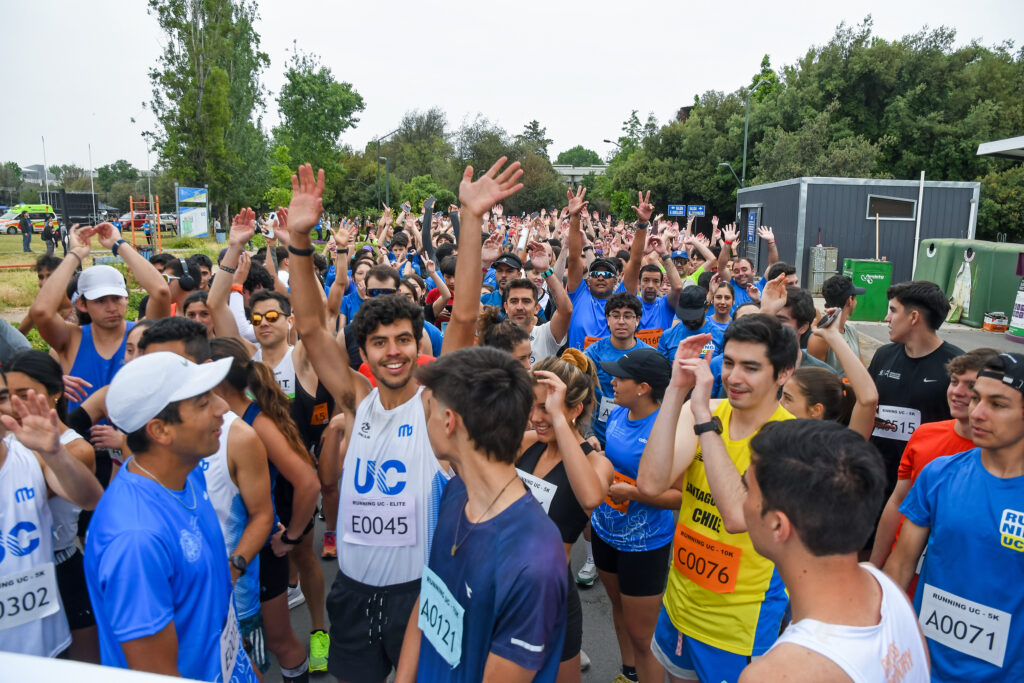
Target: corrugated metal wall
(780, 211)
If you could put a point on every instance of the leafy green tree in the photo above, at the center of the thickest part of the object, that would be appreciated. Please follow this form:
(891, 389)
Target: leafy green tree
(542, 186)
(1002, 204)
(579, 156)
(109, 174)
(281, 170)
(422, 146)
(419, 188)
(119, 192)
(534, 139)
(10, 182)
(66, 175)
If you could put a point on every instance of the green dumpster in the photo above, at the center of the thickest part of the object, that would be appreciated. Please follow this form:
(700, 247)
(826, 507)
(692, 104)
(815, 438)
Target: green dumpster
(935, 258)
(875, 277)
(993, 280)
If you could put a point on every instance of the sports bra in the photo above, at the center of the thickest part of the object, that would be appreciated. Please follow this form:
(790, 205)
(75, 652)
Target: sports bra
(565, 510)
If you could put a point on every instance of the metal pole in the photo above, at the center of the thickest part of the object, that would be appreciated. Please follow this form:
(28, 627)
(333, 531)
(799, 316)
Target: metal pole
(746, 128)
(378, 172)
(92, 188)
(149, 176)
(917, 227)
(46, 171)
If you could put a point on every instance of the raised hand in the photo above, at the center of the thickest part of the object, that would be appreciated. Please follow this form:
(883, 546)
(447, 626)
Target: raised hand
(555, 401)
(730, 233)
(714, 222)
(576, 201)
(243, 227)
(657, 245)
(491, 249)
(75, 388)
(281, 231)
(644, 208)
(242, 270)
(766, 233)
(106, 436)
(79, 239)
(754, 293)
(700, 398)
(773, 297)
(688, 349)
(478, 196)
(36, 426)
(107, 234)
(307, 200)
(539, 256)
(428, 265)
(498, 210)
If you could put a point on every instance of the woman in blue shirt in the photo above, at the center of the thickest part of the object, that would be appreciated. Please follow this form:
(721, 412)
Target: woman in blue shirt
(632, 536)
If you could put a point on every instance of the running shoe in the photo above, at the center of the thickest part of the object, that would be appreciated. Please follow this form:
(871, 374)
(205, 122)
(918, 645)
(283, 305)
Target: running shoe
(295, 596)
(584, 661)
(319, 644)
(587, 574)
(330, 551)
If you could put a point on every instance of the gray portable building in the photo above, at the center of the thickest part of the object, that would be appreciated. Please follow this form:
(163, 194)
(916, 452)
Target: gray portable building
(843, 210)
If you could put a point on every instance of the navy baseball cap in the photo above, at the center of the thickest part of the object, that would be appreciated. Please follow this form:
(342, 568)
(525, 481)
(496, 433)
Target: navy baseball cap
(1007, 368)
(641, 365)
(692, 304)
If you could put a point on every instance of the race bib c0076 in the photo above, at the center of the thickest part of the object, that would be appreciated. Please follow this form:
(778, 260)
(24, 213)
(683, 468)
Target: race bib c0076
(440, 617)
(383, 521)
(966, 626)
(28, 595)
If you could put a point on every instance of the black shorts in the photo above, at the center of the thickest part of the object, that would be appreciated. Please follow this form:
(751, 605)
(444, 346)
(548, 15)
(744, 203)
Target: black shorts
(640, 574)
(74, 593)
(367, 627)
(273, 574)
(573, 622)
(284, 495)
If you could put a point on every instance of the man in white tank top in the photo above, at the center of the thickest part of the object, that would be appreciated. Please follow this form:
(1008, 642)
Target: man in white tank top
(812, 491)
(391, 482)
(34, 465)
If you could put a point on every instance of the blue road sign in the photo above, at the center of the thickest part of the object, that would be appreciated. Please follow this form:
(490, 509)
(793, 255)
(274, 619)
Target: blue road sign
(695, 210)
(751, 225)
(677, 209)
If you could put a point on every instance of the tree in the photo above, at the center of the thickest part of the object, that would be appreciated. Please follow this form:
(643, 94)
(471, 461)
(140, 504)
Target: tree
(1002, 204)
(66, 175)
(281, 170)
(206, 95)
(534, 139)
(315, 110)
(421, 187)
(420, 147)
(579, 156)
(107, 175)
(119, 192)
(10, 181)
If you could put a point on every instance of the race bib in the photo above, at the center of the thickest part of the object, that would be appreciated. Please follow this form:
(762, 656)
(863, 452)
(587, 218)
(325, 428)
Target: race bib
(963, 625)
(389, 521)
(894, 422)
(440, 617)
(230, 639)
(605, 409)
(588, 340)
(28, 595)
(543, 491)
(649, 337)
(709, 564)
(622, 507)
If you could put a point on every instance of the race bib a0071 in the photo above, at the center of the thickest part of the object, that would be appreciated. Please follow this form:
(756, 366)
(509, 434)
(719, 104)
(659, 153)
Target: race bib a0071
(964, 625)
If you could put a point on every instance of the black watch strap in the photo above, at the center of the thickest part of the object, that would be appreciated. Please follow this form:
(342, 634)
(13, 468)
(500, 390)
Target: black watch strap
(117, 245)
(714, 425)
(300, 252)
(289, 541)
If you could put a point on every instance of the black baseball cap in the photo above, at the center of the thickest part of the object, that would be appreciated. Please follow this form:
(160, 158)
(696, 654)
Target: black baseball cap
(508, 259)
(603, 264)
(641, 365)
(1007, 368)
(838, 289)
(692, 305)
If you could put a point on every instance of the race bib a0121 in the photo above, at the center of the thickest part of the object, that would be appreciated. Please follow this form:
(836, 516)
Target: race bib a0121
(441, 617)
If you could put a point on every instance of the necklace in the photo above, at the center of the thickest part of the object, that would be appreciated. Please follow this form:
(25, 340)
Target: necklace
(170, 491)
(458, 526)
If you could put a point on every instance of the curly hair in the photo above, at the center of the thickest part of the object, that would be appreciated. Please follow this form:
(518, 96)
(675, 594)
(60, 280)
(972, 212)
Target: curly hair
(579, 374)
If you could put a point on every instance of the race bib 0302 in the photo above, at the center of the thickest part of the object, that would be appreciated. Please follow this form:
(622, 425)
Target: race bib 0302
(964, 625)
(894, 422)
(28, 595)
(543, 491)
(441, 617)
(383, 521)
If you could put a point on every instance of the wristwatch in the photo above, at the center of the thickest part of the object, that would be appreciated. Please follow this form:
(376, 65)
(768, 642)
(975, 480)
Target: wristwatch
(239, 563)
(289, 541)
(117, 245)
(548, 273)
(715, 425)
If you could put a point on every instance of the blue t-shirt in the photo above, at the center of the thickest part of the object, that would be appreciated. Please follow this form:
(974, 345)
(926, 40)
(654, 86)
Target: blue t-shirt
(350, 305)
(597, 352)
(670, 338)
(658, 315)
(714, 323)
(510, 576)
(151, 560)
(492, 299)
(974, 561)
(435, 336)
(641, 527)
(94, 368)
(741, 296)
(716, 370)
(491, 278)
(587, 315)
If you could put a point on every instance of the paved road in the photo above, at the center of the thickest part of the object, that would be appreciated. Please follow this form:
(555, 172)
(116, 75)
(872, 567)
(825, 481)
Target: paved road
(874, 335)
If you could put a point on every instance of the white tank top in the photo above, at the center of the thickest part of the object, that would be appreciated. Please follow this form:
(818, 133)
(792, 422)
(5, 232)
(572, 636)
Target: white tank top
(284, 373)
(391, 488)
(892, 650)
(26, 543)
(233, 517)
(65, 513)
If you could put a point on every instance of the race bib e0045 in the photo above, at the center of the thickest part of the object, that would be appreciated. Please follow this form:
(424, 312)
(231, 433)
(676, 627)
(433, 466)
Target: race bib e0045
(380, 521)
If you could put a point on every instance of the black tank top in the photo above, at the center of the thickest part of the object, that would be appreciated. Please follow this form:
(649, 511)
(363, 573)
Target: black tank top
(311, 414)
(565, 511)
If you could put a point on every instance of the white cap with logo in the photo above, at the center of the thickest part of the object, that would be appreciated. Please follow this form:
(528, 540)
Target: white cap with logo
(150, 383)
(100, 281)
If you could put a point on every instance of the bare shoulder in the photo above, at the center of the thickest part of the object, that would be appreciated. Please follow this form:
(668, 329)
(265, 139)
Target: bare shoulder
(790, 663)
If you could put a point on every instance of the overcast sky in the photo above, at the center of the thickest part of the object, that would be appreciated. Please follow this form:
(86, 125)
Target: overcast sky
(76, 72)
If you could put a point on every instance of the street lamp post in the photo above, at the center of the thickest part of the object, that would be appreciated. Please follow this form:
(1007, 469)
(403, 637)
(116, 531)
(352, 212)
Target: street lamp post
(612, 142)
(732, 170)
(382, 137)
(387, 180)
(746, 127)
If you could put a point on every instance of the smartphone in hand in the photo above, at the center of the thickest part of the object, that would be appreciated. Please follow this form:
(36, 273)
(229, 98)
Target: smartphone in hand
(829, 318)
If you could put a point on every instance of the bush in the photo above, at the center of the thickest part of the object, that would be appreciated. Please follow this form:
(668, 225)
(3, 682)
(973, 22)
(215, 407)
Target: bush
(191, 243)
(36, 340)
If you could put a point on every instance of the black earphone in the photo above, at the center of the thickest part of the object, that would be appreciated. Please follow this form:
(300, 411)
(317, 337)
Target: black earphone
(186, 281)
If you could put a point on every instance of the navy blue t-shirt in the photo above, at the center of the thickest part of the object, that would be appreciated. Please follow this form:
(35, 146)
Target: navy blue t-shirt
(670, 338)
(509, 575)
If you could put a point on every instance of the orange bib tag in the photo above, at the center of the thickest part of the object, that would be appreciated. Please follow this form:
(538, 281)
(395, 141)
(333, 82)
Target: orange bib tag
(319, 416)
(649, 337)
(588, 340)
(622, 507)
(709, 564)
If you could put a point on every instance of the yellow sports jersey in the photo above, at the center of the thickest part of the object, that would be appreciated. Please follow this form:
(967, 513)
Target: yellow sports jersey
(720, 591)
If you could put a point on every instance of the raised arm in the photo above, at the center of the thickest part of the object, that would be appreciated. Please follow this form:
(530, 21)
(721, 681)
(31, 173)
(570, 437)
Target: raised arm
(541, 260)
(657, 244)
(56, 331)
(574, 241)
(729, 235)
(862, 419)
(242, 229)
(444, 294)
(148, 276)
(427, 237)
(631, 273)
(477, 197)
(768, 235)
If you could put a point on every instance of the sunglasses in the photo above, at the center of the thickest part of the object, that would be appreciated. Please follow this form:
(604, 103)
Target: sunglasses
(380, 291)
(606, 274)
(168, 278)
(271, 317)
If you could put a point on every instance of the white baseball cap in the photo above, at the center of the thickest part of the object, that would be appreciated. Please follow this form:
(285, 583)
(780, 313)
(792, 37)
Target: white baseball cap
(100, 281)
(150, 383)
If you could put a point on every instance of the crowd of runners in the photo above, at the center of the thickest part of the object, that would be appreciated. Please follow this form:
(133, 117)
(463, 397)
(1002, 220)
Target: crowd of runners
(462, 394)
